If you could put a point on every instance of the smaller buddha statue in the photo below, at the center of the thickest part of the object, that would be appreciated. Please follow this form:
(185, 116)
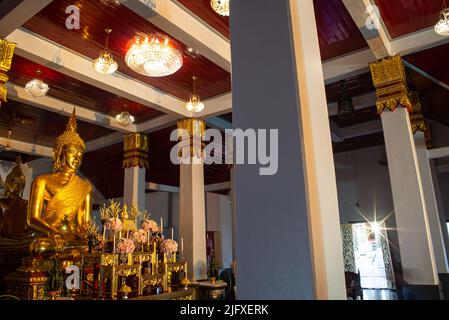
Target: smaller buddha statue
(13, 209)
(60, 203)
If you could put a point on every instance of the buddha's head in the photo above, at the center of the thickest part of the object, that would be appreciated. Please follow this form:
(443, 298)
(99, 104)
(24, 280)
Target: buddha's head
(15, 181)
(69, 148)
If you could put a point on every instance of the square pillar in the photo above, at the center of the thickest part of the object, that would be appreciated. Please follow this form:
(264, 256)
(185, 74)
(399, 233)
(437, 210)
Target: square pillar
(288, 242)
(394, 102)
(135, 164)
(192, 208)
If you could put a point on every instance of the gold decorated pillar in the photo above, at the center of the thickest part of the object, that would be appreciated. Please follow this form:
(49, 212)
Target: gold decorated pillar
(135, 163)
(394, 102)
(192, 211)
(6, 54)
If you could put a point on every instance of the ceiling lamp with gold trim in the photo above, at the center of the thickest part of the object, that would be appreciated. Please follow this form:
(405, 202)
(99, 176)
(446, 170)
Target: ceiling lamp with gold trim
(36, 87)
(155, 56)
(442, 26)
(221, 7)
(194, 104)
(105, 63)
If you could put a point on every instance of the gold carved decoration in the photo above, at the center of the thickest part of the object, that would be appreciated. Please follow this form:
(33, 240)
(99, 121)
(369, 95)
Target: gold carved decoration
(390, 81)
(6, 54)
(194, 128)
(136, 150)
(417, 120)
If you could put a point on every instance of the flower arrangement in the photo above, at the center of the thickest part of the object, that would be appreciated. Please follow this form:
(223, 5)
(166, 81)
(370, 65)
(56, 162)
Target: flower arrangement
(150, 225)
(168, 246)
(140, 236)
(114, 224)
(126, 246)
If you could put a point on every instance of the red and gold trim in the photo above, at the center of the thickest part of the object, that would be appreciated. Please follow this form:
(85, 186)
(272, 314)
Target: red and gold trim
(136, 150)
(6, 54)
(390, 81)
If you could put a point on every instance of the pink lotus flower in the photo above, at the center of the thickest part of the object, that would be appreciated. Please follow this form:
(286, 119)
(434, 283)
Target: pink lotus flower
(126, 246)
(114, 224)
(150, 226)
(140, 236)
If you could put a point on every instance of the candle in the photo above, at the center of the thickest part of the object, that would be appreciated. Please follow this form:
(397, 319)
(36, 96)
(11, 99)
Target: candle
(162, 227)
(182, 245)
(172, 233)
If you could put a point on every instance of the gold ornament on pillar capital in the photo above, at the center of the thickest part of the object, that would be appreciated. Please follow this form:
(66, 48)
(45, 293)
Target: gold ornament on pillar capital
(194, 128)
(390, 81)
(136, 148)
(6, 54)
(417, 120)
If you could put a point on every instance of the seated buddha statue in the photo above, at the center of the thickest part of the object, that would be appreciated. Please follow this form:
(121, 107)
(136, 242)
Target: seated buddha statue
(60, 203)
(13, 209)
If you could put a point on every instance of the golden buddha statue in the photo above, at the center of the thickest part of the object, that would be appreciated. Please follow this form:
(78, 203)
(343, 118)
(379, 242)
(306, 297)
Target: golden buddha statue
(13, 209)
(60, 203)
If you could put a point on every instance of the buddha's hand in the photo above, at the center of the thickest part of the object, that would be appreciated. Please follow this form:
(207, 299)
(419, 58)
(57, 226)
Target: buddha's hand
(59, 242)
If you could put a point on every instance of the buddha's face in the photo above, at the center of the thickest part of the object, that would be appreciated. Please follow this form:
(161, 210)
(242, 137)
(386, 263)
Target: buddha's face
(16, 186)
(72, 156)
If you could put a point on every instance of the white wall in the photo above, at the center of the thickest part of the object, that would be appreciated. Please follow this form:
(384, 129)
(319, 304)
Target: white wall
(364, 190)
(218, 212)
(443, 182)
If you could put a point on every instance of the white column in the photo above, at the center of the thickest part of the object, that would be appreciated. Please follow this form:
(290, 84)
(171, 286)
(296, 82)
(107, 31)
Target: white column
(233, 221)
(192, 218)
(415, 243)
(288, 234)
(135, 162)
(431, 203)
(134, 187)
(320, 171)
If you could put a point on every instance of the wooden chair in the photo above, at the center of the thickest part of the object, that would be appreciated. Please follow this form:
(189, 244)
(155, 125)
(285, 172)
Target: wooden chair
(353, 285)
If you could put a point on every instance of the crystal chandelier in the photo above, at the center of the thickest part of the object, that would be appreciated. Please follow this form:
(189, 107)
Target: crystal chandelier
(442, 26)
(221, 7)
(105, 63)
(154, 56)
(37, 87)
(194, 104)
(125, 118)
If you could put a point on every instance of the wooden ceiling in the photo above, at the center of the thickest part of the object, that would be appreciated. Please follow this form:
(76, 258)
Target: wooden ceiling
(402, 17)
(355, 86)
(203, 10)
(337, 32)
(46, 127)
(80, 93)
(433, 62)
(125, 24)
(367, 141)
(11, 156)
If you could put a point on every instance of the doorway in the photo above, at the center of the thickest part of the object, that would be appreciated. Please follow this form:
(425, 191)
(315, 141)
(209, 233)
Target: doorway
(372, 257)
